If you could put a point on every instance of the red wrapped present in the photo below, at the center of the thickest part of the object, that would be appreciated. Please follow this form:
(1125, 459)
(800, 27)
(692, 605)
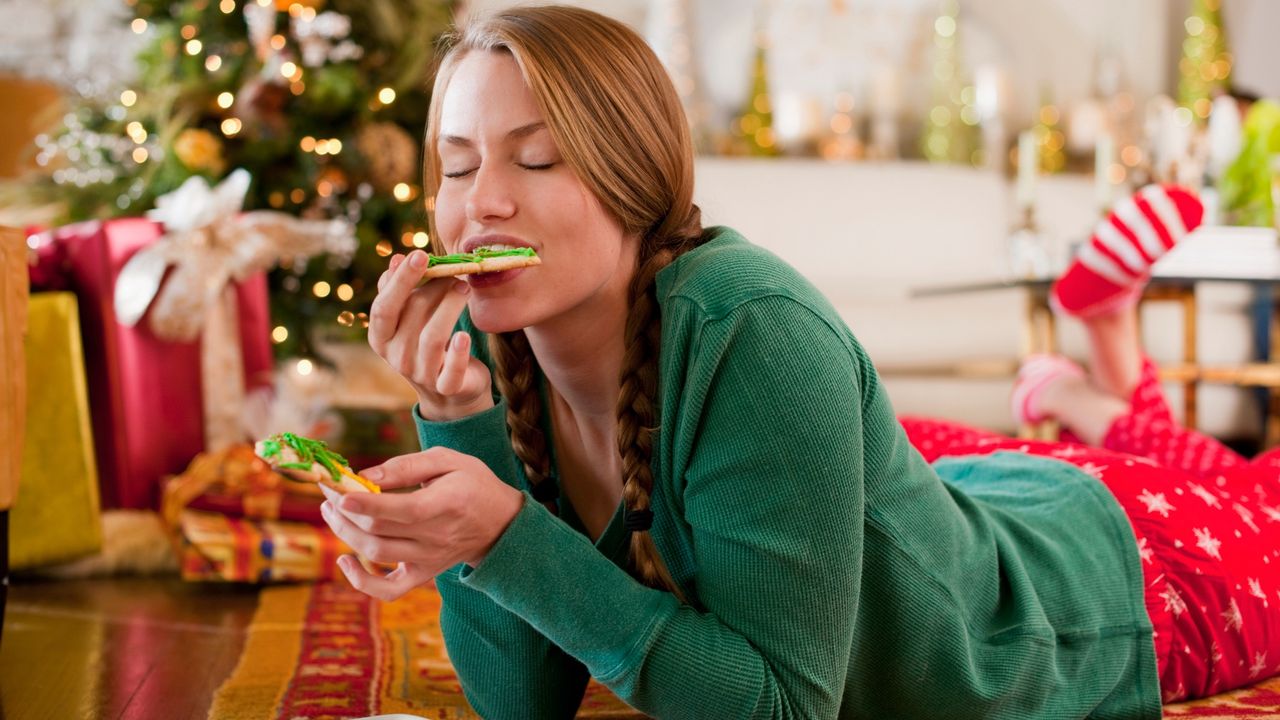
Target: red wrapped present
(145, 393)
(176, 324)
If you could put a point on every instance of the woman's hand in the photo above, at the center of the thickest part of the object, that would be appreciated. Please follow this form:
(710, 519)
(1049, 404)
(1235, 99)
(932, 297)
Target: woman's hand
(412, 329)
(459, 511)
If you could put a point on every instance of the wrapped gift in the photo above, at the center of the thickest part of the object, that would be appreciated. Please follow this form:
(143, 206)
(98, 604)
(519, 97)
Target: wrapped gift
(55, 517)
(217, 547)
(237, 483)
(146, 393)
(176, 324)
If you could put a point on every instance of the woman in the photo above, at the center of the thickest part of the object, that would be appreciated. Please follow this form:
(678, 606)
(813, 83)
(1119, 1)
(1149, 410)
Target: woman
(660, 459)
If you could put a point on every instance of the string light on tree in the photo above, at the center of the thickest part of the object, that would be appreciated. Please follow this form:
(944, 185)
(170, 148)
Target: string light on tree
(1206, 64)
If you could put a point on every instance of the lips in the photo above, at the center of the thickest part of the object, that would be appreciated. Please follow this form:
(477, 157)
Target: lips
(489, 280)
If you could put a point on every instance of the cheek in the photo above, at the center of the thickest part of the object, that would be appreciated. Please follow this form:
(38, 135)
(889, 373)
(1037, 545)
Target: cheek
(450, 218)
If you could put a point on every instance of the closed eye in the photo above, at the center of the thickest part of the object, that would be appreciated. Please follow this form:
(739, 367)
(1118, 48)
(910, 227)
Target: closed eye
(542, 166)
(460, 173)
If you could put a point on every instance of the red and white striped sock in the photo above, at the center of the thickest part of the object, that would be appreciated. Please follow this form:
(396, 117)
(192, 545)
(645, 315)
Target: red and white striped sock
(1112, 268)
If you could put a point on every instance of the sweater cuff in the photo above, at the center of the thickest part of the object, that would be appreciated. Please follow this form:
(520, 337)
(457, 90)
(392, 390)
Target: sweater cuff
(482, 435)
(581, 600)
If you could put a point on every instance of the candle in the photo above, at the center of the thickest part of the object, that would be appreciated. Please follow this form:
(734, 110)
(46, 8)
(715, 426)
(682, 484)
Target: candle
(1027, 161)
(1103, 157)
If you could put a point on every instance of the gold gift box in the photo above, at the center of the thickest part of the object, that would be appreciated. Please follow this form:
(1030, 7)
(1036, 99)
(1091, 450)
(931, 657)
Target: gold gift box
(55, 517)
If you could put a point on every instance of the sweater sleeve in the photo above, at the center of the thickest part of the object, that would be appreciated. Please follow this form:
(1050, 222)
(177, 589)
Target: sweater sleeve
(772, 499)
(507, 668)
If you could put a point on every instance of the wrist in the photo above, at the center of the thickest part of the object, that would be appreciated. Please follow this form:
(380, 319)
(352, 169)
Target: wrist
(510, 508)
(432, 410)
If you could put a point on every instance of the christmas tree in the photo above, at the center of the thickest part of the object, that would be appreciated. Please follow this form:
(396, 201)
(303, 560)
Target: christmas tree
(950, 133)
(755, 125)
(1050, 139)
(1206, 65)
(321, 101)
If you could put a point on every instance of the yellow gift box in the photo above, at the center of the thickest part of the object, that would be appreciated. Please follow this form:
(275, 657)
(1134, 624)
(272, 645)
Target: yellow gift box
(55, 517)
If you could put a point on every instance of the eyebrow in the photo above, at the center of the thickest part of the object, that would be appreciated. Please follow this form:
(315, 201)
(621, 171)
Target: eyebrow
(520, 132)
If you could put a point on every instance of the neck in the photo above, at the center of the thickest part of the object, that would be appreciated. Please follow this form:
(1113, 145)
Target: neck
(580, 352)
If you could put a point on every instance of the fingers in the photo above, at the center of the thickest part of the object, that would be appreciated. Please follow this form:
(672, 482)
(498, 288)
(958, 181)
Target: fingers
(391, 268)
(434, 347)
(374, 523)
(378, 548)
(457, 358)
(387, 587)
(402, 352)
(384, 315)
(412, 470)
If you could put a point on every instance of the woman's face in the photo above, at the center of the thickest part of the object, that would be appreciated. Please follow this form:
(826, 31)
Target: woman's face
(506, 183)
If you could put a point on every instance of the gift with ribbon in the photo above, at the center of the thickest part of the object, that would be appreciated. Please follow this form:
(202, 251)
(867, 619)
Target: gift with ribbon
(176, 323)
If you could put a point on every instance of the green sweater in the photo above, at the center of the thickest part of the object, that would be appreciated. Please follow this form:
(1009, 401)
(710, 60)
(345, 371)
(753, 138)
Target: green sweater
(831, 572)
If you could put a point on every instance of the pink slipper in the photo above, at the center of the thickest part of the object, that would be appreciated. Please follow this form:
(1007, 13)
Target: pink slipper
(1035, 374)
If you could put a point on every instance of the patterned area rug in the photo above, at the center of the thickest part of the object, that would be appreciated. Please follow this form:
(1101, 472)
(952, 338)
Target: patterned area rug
(324, 652)
(327, 652)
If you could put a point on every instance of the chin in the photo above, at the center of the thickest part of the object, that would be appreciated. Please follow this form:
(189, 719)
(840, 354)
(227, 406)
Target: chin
(493, 320)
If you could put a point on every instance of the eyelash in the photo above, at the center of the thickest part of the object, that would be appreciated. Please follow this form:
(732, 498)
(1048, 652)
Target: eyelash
(465, 173)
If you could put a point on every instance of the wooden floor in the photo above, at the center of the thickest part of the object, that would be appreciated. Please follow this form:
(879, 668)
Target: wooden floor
(119, 648)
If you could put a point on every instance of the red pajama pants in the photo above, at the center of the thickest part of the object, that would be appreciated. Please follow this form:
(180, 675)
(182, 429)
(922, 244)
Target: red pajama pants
(1207, 523)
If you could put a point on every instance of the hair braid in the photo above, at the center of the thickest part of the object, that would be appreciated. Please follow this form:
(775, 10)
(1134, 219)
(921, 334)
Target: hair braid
(636, 411)
(515, 372)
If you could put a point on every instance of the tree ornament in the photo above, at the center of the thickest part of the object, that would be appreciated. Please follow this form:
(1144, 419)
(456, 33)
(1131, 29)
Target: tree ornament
(261, 104)
(390, 154)
(200, 150)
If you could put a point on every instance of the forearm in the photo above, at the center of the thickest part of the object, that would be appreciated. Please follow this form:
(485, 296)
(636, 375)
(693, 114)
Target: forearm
(507, 669)
(666, 659)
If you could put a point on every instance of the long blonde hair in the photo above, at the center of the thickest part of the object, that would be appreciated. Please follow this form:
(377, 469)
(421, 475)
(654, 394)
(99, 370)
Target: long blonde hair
(618, 122)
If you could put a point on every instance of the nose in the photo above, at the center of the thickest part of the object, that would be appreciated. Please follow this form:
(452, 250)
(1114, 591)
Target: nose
(490, 196)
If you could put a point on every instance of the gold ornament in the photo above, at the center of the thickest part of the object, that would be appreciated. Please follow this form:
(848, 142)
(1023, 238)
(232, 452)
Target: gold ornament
(390, 153)
(199, 150)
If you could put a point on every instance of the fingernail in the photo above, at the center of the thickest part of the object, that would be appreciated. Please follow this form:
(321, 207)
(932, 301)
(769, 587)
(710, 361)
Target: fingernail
(325, 509)
(373, 473)
(462, 286)
(417, 259)
(396, 260)
(458, 340)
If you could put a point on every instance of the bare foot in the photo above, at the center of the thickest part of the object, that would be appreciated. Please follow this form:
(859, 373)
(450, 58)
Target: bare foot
(1081, 407)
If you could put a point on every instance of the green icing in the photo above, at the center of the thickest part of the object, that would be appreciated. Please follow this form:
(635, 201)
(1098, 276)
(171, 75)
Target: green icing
(309, 452)
(477, 256)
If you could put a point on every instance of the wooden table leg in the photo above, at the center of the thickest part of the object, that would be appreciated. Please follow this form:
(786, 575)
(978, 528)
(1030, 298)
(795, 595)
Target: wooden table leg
(1191, 386)
(1039, 335)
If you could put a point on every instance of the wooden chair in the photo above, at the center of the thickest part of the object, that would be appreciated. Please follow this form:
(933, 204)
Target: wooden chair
(13, 385)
